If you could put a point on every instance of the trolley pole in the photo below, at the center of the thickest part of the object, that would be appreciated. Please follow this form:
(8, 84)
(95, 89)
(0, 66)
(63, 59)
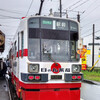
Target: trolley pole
(93, 46)
(60, 9)
(41, 7)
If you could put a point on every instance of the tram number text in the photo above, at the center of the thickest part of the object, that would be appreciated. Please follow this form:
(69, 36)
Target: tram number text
(60, 70)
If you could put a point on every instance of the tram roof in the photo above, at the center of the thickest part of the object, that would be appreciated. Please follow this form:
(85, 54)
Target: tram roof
(52, 17)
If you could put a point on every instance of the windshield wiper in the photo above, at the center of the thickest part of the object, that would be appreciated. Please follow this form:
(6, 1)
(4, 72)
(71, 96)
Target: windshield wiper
(49, 55)
(45, 51)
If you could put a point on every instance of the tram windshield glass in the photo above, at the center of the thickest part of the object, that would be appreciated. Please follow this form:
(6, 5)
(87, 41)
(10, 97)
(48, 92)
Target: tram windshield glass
(52, 40)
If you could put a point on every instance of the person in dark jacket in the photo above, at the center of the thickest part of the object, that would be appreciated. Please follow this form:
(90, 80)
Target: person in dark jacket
(8, 63)
(3, 69)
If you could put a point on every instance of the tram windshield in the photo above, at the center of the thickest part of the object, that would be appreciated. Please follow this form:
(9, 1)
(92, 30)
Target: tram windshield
(52, 40)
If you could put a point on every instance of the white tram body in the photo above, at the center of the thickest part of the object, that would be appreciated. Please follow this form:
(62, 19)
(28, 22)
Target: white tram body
(44, 60)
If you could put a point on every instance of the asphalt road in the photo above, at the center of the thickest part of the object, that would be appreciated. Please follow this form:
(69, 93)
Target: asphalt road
(90, 91)
(4, 94)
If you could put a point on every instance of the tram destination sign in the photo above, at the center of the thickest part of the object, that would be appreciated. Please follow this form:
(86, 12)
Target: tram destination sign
(47, 22)
(55, 24)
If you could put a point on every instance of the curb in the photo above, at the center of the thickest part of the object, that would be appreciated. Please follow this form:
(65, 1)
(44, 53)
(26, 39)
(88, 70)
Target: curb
(91, 82)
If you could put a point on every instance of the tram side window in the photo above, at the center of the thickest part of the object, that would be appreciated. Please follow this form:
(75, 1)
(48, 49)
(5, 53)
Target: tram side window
(18, 45)
(10, 57)
(15, 50)
(33, 23)
(74, 26)
(74, 39)
(22, 43)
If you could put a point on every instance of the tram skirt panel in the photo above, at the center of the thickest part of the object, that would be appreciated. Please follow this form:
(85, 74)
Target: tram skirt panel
(51, 94)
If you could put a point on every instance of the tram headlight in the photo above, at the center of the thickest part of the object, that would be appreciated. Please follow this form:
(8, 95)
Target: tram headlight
(33, 68)
(76, 68)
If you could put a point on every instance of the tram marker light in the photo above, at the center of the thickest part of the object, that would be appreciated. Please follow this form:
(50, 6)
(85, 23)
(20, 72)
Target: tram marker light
(19, 90)
(74, 77)
(37, 77)
(30, 77)
(79, 77)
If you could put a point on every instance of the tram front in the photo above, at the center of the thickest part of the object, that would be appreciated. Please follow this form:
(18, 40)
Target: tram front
(54, 70)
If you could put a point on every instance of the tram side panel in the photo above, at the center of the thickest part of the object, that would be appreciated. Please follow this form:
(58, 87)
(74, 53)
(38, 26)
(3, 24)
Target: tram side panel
(19, 61)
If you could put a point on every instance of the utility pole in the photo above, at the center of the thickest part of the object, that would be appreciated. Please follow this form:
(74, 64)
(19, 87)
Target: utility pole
(78, 17)
(60, 9)
(66, 14)
(93, 45)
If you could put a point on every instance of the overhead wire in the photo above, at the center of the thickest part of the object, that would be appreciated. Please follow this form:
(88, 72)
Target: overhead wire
(90, 6)
(29, 8)
(80, 4)
(91, 33)
(64, 3)
(74, 4)
(10, 17)
(85, 25)
(86, 31)
(5, 21)
(7, 18)
(17, 12)
(97, 31)
(8, 25)
(47, 4)
(85, 12)
(87, 35)
(91, 12)
(90, 22)
(68, 8)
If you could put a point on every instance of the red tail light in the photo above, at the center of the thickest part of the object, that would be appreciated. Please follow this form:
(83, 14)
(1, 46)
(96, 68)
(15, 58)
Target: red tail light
(30, 77)
(79, 77)
(73, 77)
(37, 77)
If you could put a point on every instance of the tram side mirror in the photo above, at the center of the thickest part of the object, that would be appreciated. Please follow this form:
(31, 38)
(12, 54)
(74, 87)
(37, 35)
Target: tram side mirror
(80, 43)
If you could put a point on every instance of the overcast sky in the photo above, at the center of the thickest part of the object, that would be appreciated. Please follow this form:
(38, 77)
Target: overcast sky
(12, 10)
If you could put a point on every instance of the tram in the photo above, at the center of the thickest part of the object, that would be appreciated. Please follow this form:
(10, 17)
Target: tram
(44, 60)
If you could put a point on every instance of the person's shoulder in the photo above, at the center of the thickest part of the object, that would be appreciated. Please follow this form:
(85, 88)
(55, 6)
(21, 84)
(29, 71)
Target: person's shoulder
(4, 63)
